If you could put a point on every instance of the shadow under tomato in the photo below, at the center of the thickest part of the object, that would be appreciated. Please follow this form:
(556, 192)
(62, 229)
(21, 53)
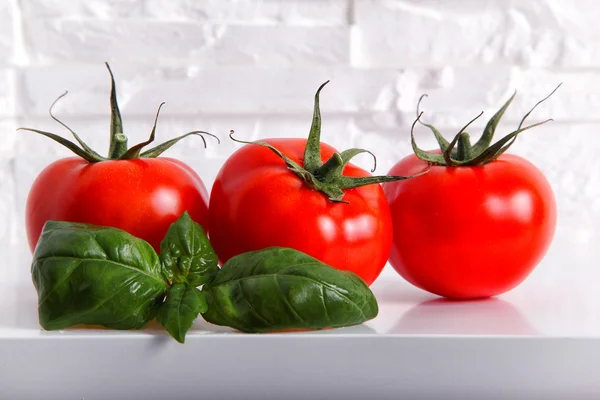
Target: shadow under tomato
(399, 292)
(491, 316)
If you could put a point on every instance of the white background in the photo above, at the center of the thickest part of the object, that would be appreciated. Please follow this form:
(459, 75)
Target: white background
(253, 66)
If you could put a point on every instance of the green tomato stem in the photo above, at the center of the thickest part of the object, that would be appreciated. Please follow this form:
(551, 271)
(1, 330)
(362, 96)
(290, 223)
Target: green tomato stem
(327, 177)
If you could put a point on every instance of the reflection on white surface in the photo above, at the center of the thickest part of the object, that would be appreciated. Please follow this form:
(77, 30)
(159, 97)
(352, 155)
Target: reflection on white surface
(560, 299)
(478, 317)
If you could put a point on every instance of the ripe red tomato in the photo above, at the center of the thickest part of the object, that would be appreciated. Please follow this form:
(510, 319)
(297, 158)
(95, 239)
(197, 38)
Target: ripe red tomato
(468, 232)
(478, 223)
(257, 202)
(130, 189)
(304, 195)
(141, 196)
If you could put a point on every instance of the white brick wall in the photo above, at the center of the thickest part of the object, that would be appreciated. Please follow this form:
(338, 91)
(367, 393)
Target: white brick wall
(253, 66)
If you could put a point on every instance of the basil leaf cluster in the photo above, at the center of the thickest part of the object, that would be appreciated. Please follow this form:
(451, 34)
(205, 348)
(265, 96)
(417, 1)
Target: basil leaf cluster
(92, 275)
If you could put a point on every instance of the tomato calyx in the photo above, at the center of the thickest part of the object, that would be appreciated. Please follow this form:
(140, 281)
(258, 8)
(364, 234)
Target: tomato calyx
(118, 141)
(460, 152)
(327, 177)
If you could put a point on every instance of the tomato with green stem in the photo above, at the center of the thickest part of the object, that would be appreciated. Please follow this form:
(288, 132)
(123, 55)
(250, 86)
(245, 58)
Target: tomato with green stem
(478, 223)
(131, 189)
(304, 195)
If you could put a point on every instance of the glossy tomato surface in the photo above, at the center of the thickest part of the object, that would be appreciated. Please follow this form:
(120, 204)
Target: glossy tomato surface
(256, 202)
(142, 196)
(469, 232)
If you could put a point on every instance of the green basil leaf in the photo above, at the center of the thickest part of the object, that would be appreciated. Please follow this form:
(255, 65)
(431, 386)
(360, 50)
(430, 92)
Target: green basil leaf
(178, 312)
(93, 275)
(279, 288)
(186, 254)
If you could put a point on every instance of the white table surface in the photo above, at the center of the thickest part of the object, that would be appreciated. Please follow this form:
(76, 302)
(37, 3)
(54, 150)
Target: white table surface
(541, 340)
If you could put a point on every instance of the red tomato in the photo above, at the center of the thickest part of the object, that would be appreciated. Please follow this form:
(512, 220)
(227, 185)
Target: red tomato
(257, 202)
(141, 196)
(470, 231)
(130, 189)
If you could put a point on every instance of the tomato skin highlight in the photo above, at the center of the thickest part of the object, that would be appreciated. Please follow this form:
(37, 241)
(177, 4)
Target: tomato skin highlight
(256, 202)
(141, 196)
(470, 231)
